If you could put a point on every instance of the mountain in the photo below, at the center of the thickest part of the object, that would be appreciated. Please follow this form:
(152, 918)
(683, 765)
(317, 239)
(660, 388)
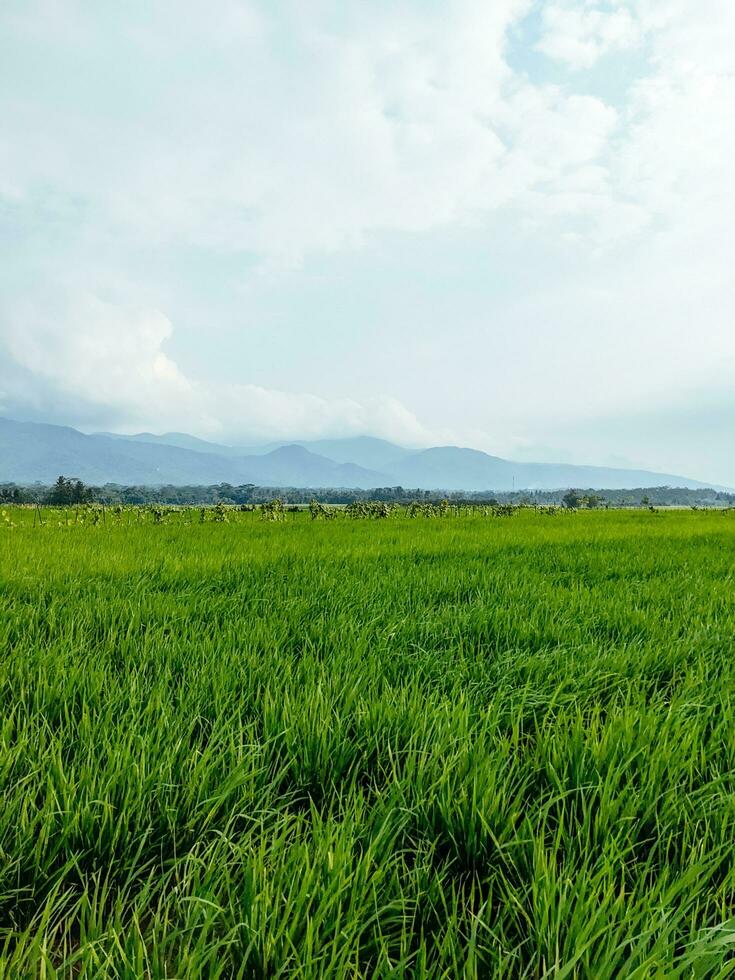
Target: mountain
(367, 451)
(452, 468)
(179, 439)
(31, 452)
(295, 466)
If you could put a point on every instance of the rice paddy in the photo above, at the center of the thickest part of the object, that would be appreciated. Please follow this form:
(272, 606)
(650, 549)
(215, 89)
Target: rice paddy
(466, 746)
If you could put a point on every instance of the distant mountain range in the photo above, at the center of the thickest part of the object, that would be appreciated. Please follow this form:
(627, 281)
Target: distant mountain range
(32, 452)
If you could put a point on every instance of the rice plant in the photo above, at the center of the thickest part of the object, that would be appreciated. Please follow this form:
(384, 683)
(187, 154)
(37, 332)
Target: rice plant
(461, 747)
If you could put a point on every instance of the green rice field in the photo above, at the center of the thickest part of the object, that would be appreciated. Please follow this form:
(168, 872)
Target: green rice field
(461, 746)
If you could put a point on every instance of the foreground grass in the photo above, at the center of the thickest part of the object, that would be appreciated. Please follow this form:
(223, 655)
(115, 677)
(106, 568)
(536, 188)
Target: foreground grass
(455, 747)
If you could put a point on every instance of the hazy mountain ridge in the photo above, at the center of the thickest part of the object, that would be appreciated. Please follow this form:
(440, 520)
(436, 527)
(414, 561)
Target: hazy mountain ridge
(454, 468)
(181, 440)
(31, 452)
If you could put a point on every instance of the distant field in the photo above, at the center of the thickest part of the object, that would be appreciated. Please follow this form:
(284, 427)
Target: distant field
(466, 746)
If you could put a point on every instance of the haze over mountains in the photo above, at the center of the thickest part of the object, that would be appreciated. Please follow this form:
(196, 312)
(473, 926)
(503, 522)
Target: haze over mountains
(31, 452)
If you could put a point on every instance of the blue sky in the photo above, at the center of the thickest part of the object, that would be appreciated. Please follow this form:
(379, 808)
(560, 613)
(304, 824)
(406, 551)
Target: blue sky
(507, 225)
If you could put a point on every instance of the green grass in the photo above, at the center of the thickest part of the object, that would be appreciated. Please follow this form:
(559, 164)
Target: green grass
(454, 747)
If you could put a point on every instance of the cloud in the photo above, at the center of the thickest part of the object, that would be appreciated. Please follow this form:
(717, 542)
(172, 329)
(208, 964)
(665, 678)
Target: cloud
(403, 118)
(140, 146)
(96, 350)
(98, 362)
(284, 131)
(579, 34)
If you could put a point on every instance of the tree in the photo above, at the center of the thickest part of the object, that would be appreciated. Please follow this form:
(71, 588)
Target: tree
(65, 492)
(571, 500)
(59, 492)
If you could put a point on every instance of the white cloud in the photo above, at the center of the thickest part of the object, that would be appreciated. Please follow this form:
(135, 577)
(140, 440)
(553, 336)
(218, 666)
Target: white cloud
(285, 135)
(96, 350)
(99, 360)
(405, 119)
(579, 33)
(301, 129)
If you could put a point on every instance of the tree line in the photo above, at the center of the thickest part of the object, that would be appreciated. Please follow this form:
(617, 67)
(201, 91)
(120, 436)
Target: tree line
(70, 491)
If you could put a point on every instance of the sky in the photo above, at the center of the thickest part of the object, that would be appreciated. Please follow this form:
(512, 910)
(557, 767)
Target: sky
(503, 224)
